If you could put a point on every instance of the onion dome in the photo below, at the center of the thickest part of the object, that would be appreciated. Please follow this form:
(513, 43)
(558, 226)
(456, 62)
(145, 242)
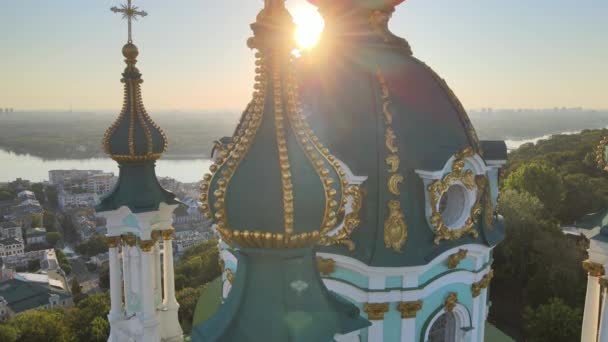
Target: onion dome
(275, 191)
(133, 136)
(390, 117)
(135, 142)
(275, 185)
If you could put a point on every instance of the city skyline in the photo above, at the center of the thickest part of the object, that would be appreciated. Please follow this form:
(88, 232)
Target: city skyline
(193, 56)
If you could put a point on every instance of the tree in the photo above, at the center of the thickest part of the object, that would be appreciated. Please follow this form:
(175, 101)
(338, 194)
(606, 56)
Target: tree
(104, 277)
(95, 245)
(85, 318)
(33, 265)
(198, 265)
(583, 196)
(52, 238)
(76, 291)
(554, 321)
(541, 180)
(48, 220)
(100, 329)
(8, 333)
(42, 326)
(6, 195)
(535, 262)
(187, 299)
(64, 263)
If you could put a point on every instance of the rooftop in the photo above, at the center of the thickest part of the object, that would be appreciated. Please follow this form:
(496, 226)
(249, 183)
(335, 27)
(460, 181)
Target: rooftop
(22, 295)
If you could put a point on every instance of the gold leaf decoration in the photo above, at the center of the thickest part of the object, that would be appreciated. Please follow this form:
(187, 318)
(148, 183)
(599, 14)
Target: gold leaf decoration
(395, 229)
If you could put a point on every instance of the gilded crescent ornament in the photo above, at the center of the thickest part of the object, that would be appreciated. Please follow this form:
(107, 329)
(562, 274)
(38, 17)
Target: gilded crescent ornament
(393, 183)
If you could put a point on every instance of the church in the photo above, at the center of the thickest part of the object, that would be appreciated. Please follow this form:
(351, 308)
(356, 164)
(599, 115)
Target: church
(354, 200)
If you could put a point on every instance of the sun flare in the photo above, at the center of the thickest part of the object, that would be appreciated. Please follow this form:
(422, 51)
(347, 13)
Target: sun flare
(309, 26)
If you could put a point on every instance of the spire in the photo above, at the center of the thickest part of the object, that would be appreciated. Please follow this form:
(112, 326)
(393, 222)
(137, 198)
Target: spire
(133, 136)
(134, 140)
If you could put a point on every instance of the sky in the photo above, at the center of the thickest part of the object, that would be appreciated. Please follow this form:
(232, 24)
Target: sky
(193, 55)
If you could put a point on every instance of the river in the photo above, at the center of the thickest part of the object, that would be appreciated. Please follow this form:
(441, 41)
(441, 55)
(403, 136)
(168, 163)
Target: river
(13, 166)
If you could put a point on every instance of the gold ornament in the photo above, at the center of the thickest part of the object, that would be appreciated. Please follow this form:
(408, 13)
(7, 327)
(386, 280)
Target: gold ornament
(113, 241)
(393, 162)
(393, 183)
(450, 302)
(168, 234)
(229, 276)
(395, 229)
(409, 309)
(129, 239)
(482, 284)
(146, 245)
(326, 266)
(456, 258)
(594, 269)
(389, 140)
(351, 221)
(439, 187)
(375, 311)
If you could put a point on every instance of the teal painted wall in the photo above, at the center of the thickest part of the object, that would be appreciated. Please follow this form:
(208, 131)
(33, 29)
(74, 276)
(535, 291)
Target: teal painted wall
(394, 282)
(351, 277)
(392, 324)
(466, 264)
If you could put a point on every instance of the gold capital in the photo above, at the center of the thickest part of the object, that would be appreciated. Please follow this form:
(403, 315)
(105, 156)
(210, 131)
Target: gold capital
(409, 309)
(594, 269)
(129, 239)
(168, 234)
(113, 241)
(146, 245)
(375, 311)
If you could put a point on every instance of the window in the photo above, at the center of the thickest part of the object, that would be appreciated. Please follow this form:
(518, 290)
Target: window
(444, 329)
(452, 205)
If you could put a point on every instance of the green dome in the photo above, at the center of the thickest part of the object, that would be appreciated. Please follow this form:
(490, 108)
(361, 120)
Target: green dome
(133, 136)
(274, 184)
(386, 115)
(135, 142)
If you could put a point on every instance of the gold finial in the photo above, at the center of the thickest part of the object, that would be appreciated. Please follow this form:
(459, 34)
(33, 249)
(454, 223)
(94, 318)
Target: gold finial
(129, 12)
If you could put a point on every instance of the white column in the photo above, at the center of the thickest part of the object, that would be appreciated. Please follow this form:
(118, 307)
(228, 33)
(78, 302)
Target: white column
(408, 329)
(375, 314)
(147, 272)
(158, 294)
(169, 285)
(604, 320)
(115, 279)
(126, 271)
(150, 321)
(170, 327)
(484, 314)
(592, 308)
(408, 312)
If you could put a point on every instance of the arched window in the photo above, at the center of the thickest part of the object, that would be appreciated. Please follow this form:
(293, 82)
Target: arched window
(444, 329)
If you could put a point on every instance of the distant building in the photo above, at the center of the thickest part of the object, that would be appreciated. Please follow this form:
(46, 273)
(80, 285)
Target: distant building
(101, 183)
(35, 235)
(18, 296)
(70, 200)
(11, 246)
(46, 257)
(10, 229)
(100, 259)
(70, 179)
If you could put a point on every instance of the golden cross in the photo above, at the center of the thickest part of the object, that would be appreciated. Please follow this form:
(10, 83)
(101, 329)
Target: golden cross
(130, 12)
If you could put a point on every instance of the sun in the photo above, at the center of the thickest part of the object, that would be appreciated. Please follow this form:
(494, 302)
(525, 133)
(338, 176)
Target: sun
(309, 26)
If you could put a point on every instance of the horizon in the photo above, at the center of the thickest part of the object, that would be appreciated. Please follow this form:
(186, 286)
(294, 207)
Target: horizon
(492, 54)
